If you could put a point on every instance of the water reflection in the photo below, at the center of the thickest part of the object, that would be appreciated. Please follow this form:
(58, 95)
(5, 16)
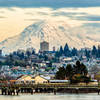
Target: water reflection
(93, 96)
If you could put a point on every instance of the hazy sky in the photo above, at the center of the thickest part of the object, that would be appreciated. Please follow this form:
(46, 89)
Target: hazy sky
(15, 15)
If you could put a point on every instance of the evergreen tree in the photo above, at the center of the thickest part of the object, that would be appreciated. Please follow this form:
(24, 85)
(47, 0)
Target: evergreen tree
(80, 68)
(57, 54)
(69, 71)
(94, 51)
(84, 70)
(77, 68)
(28, 53)
(98, 54)
(74, 52)
(61, 73)
(76, 73)
(33, 52)
(87, 53)
(21, 55)
(61, 51)
(66, 50)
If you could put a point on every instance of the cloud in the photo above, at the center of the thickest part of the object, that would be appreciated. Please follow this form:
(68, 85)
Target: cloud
(31, 19)
(2, 12)
(29, 13)
(88, 18)
(68, 14)
(95, 25)
(11, 9)
(1, 17)
(42, 13)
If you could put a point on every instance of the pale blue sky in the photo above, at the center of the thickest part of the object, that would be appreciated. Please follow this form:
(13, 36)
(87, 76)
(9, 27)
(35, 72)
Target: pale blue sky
(50, 3)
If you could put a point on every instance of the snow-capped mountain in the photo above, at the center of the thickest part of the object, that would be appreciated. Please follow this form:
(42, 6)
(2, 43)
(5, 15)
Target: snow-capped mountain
(56, 33)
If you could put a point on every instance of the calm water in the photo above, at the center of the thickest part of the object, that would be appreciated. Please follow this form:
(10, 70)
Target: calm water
(53, 97)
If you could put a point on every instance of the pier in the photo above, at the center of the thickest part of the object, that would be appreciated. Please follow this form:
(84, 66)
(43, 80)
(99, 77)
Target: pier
(15, 89)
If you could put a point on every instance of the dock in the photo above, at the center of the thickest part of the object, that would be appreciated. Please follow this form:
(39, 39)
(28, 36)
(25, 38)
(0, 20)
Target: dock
(15, 89)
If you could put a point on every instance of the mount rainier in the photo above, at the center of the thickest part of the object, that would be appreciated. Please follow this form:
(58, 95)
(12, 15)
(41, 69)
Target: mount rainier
(56, 33)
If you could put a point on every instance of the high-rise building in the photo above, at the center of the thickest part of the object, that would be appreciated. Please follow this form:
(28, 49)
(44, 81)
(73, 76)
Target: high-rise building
(44, 46)
(0, 52)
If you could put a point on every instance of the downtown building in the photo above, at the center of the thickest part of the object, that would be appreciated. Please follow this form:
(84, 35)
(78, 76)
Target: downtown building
(44, 46)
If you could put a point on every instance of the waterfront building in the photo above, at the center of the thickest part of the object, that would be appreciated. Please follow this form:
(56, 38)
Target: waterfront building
(25, 79)
(41, 79)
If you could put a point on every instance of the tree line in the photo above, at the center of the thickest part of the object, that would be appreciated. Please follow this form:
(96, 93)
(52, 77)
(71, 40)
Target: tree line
(76, 73)
(66, 51)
